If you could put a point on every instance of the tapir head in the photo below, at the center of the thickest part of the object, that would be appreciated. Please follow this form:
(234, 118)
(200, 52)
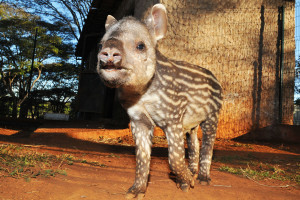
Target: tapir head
(127, 57)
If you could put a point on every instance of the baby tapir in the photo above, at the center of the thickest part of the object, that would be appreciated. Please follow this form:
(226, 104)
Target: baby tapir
(156, 91)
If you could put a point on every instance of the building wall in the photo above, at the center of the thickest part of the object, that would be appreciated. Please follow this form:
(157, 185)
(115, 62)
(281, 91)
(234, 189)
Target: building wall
(239, 41)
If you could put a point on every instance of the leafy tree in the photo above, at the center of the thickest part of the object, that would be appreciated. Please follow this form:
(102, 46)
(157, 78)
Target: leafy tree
(5, 100)
(57, 87)
(72, 13)
(16, 47)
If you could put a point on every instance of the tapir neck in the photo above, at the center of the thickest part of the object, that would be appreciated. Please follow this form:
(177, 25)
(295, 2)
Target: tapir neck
(130, 95)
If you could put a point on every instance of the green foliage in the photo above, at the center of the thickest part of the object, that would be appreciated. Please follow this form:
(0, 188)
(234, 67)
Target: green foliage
(56, 88)
(71, 13)
(17, 34)
(297, 102)
(16, 39)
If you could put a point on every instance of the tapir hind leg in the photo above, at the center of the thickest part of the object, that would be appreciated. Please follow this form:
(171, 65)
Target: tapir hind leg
(177, 164)
(193, 150)
(209, 129)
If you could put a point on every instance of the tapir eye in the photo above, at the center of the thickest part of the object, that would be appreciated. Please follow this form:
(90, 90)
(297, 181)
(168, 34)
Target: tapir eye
(141, 46)
(99, 47)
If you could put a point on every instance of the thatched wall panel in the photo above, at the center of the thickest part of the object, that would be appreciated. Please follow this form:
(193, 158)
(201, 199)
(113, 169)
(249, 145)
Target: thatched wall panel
(239, 42)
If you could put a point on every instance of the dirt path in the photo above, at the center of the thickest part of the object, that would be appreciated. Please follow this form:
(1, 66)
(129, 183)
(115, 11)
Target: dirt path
(84, 181)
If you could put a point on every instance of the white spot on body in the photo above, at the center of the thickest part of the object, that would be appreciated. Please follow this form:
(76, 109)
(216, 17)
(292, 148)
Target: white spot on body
(206, 161)
(176, 154)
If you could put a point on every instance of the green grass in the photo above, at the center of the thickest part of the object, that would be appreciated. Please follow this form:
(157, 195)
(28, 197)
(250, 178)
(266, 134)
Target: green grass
(247, 146)
(70, 159)
(250, 167)
(114, 155)
(231, 159)
(276, 173)
(231, 170)
(23, 162)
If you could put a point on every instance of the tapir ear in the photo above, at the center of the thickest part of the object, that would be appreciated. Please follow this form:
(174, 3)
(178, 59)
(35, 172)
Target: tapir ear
(158, 21)
(110, 20)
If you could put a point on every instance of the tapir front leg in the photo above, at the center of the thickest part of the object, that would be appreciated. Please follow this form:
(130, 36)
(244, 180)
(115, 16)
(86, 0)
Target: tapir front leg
(142, 131)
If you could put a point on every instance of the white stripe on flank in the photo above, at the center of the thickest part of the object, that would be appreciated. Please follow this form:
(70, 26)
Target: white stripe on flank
(186, 76)
(213, 103)
(162, 80)
(217, 99)
(167, 99)
(197, 86)
(195, 71)
(167, 77)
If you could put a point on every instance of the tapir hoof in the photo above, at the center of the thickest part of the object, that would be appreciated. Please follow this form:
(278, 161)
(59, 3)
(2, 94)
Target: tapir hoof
(185, 187)
(135, 192)
(138, 196)
(204, 181)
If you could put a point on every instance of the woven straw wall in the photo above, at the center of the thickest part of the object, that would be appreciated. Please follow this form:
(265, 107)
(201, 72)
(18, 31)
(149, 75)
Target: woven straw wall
(239, 41)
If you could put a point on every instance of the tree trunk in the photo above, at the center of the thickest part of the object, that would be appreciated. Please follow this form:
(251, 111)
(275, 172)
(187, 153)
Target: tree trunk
(23, 110)
(15, 106)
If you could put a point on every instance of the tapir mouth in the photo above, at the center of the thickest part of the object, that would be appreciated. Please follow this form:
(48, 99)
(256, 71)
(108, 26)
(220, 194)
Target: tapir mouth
(112, 67)
(113, 76)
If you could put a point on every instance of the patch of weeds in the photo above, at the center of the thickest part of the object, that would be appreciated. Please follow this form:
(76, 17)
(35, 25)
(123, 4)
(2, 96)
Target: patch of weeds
(112, 155)
(261, 172)
(297, 179)
(282, 147)
(97, 164)
(62, 172)
(160, 140)
(94, 163)
(276, 169)
(231, 170)
(231, 159)
(101, 138)
(71, 160)
(68, 158)
(23, 162)
(251, 156)
(247, 146)
(118, 140)
(237, 145)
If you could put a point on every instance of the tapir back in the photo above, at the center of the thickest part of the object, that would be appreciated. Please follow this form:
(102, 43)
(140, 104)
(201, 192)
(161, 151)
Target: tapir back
(189, 91)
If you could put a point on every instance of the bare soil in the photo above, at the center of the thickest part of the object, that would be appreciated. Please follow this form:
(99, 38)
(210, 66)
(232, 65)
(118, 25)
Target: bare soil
(114, 149)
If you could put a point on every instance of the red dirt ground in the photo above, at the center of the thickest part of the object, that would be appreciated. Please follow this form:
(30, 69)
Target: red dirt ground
(83, 181)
